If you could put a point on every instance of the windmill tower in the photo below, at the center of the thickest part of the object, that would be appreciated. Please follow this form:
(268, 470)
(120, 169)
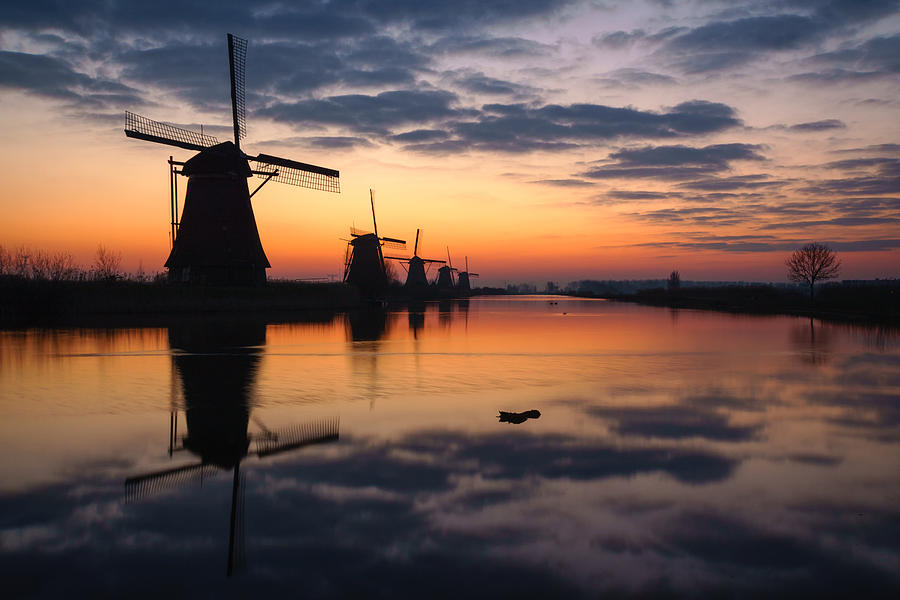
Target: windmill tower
(446, 281)
(217, 241)
(364, 263)
(416, 278)
(462, 280)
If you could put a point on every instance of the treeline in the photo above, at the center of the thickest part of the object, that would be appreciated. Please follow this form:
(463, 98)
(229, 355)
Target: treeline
(25, 263)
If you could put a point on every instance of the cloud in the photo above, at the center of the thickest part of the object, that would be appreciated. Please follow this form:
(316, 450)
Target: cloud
(368, 114)
(504, 47)
(55, 78)
(479, 83)
(823, 125)
(564, 182)
(672, 162)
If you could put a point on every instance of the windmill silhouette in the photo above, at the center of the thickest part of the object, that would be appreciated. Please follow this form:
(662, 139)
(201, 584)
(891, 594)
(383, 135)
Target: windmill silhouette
(217, 240)
(364, 259)
(446, 281)
(217, 364)
(416, 278)
(462, 279)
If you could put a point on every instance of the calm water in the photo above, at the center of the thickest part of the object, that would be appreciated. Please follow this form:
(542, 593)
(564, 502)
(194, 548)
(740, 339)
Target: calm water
(677, 452)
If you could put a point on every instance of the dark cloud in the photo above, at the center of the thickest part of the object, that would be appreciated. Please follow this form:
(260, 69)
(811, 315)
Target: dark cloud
(421, 135)
(636, 77)
(837, 222)
(362, 113)
(506, 47)
(564, 182)
(636, 195)
(672, 162)
(871, 176)
(823, 125)
(55, 78)
(479, 83)
(732, 183)
(718, 155)
(524, 128)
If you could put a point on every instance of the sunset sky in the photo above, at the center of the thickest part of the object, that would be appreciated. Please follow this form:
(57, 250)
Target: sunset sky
(544, 140)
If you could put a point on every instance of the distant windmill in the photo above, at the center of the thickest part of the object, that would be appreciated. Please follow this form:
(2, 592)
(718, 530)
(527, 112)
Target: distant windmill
(364, 261)
(217, 240)
(416, 279)
(462, 280)
(446, 280)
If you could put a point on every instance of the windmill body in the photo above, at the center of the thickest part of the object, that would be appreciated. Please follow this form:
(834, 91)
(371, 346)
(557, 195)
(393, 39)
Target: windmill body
(463, 279)
(416, 277)
(364, 266)
(217, 240)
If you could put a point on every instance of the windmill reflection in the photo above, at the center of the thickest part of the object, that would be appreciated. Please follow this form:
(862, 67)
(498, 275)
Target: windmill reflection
(217, 363)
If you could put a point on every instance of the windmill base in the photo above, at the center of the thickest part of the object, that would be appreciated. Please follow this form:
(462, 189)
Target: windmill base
(218, 275)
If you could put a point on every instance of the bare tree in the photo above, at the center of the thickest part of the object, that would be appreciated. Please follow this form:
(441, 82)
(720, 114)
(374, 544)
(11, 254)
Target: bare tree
(5, 261)
(108, 263)
(62, 267)
(812, 263)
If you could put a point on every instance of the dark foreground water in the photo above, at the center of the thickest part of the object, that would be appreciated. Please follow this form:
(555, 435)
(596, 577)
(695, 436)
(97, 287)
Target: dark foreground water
(677, 453)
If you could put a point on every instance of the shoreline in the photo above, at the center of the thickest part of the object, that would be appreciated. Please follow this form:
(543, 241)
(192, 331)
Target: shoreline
(877, 306)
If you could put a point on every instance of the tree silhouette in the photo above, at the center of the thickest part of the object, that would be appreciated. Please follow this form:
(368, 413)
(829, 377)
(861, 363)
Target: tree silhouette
(107, 264)
(811, 263)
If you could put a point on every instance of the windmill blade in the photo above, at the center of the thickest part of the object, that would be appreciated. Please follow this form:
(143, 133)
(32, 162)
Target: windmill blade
(237, 62)
(300, 174)
(401, 258)
(159, 481)
(318, 432)
(394, 243)
(416, 247)
(143, 128)
(473, 275)
(356, 232)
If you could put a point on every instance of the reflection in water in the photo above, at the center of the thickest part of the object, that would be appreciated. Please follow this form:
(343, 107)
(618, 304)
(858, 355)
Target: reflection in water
(812, 340)
(518, 417)
(217, 363)
(675, 457)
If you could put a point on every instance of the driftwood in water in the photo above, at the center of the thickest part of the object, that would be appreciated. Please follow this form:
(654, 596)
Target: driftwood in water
(518, 417)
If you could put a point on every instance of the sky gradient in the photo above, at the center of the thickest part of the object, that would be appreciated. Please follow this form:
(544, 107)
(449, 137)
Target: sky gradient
(543, 140)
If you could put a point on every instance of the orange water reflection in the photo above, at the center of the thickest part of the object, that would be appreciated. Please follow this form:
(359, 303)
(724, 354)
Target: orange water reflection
(676, 451)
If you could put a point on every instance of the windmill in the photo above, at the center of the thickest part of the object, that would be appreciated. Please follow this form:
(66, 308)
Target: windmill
(217, 364)
(364, 261)
(446, 280)
(416, 279)
(462, 280)
(216, 240)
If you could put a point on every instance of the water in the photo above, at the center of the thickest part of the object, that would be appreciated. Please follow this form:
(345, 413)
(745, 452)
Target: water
(682, 452)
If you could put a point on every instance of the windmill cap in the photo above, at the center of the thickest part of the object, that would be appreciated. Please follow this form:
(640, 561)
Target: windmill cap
(221, 159)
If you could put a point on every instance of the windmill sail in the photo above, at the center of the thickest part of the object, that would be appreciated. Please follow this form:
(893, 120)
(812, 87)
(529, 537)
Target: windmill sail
(237, 62)
(300, 174)
(143, 128)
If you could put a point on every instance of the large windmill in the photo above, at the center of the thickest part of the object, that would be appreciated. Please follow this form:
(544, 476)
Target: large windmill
(364, 261)
(416, 279)
(217, 240)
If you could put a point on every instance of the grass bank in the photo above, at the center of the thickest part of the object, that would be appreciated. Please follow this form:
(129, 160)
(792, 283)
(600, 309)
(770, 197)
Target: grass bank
(838, 302)
(25, 302)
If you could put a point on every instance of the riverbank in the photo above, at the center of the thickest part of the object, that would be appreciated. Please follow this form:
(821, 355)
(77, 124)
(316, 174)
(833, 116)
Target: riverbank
(840, 302)
(28, 303)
